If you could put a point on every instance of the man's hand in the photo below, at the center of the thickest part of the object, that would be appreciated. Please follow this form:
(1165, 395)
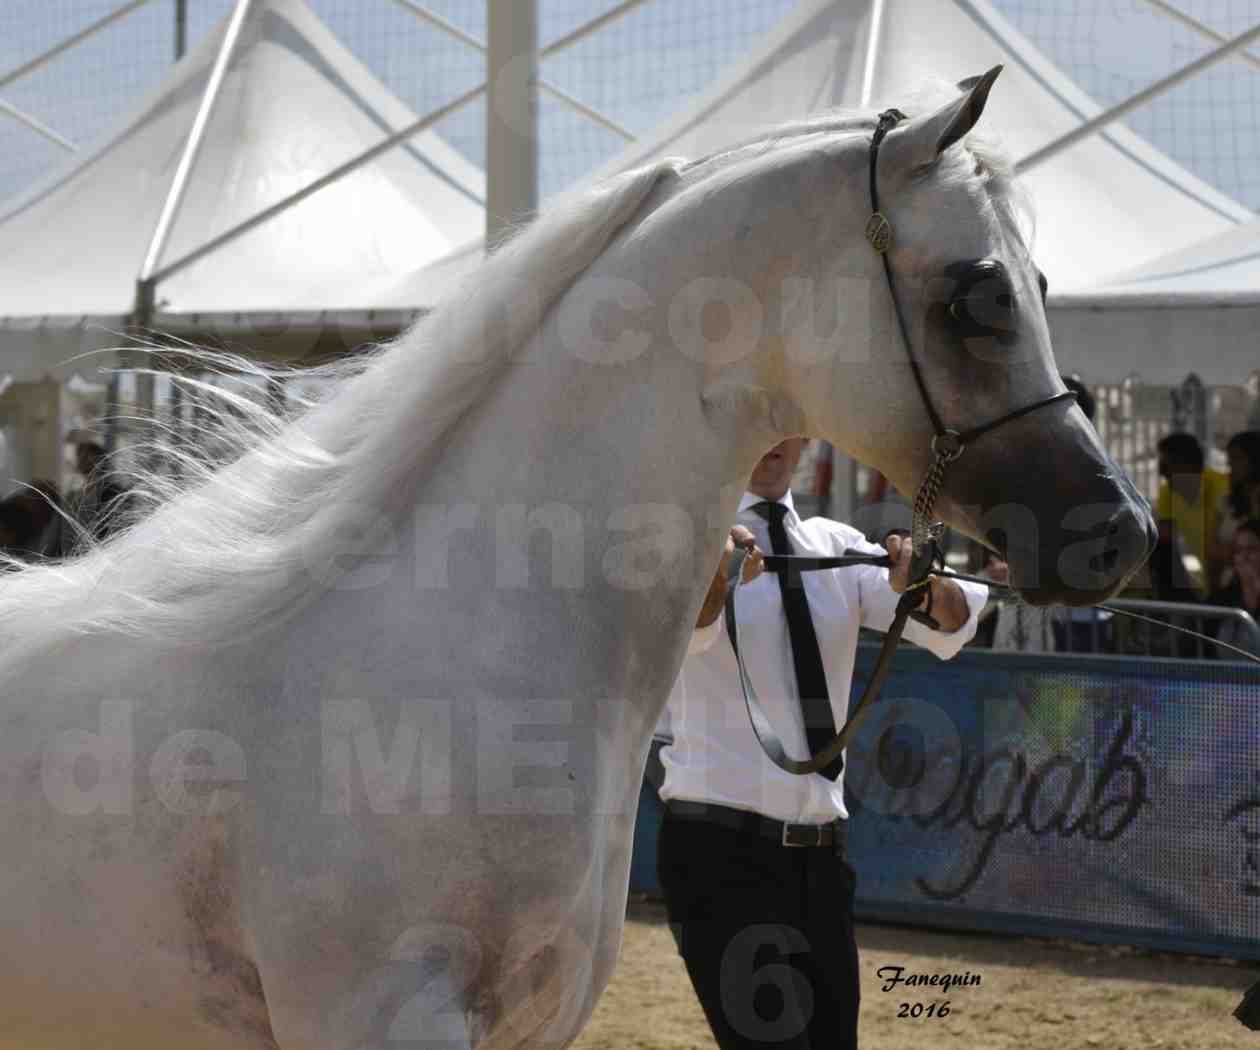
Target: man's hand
(753, 567)
(901, 550)
(948, 603)
(997, 570)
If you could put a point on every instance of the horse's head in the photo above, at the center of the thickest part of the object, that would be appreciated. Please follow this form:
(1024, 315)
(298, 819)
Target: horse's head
(760, 265)
(1030, 477)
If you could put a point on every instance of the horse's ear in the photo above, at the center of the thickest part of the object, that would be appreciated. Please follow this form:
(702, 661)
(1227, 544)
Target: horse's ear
(951, 122)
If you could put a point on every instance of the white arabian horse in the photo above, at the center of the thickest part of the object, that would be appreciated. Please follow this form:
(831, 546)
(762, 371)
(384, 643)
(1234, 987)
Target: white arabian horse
(340, 748)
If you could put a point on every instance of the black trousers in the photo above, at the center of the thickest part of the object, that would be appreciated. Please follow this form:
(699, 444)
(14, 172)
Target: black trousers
(766, 932)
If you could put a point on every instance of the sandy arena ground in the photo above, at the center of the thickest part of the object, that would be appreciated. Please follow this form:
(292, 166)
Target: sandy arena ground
(1034, 995)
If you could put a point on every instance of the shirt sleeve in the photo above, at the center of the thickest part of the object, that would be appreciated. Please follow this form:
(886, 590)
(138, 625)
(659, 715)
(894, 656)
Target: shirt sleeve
(702, 638)
(664, 730)
(878, 604)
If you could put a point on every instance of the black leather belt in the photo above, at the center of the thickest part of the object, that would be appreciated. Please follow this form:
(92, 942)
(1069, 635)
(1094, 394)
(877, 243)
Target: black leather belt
(828, 836)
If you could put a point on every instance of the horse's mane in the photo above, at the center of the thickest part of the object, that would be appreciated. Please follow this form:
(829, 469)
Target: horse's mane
(226, 552)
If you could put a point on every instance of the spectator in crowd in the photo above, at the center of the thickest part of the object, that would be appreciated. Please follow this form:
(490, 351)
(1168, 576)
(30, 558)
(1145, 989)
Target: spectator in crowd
(44, 537)
(1243, 590)
(1170, 579)
(100, 505)
(1243, 500)
(1011, 624)
(1188, 508)
(15, 527)
(751, 859)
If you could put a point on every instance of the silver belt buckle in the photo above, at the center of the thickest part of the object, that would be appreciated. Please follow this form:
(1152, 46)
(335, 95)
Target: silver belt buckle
(791, 829)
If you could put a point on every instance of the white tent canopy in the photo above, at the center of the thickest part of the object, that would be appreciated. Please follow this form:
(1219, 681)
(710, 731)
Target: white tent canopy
(294, 105)
(1106, 187)
(1226, 266)
(1193, 310)
(1112, 182)
(1094, 200)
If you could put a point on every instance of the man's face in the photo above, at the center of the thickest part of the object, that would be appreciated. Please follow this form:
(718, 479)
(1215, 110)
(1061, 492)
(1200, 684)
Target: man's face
(772, 476)
(1246, 554)
(1170, 467)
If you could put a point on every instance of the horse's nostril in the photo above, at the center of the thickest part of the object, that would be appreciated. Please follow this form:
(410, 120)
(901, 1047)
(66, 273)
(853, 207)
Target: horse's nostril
(1105, 562)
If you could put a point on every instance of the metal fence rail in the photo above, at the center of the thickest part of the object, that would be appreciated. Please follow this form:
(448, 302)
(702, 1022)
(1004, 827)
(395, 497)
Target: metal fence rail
(1094, 631)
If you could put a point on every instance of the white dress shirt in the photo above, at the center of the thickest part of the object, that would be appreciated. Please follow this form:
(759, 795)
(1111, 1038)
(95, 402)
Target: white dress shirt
(714, 756)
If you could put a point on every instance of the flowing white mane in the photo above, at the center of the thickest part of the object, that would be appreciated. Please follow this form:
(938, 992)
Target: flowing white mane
(228, 552)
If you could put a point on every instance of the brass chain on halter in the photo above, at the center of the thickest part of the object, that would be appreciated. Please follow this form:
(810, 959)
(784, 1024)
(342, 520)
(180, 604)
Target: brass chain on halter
(925, 533)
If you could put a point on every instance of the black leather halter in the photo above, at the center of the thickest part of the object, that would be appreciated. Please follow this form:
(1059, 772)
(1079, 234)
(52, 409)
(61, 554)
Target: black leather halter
(947, 445)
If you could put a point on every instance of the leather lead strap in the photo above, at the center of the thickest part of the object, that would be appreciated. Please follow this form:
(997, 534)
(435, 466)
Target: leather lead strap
(947, 446)
(879, 233)
(764, 731)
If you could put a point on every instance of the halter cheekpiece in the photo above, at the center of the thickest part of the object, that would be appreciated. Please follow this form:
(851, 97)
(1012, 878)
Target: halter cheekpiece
(948, 443)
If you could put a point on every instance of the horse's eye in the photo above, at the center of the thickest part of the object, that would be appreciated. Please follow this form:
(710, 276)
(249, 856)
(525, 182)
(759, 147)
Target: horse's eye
(990, 312)
(983, 303)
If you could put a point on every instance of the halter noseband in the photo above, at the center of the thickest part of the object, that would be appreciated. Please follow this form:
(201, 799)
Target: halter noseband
(947, 444)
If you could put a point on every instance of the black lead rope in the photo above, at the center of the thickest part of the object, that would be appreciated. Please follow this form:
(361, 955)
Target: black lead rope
(947, 445)
(764, 731)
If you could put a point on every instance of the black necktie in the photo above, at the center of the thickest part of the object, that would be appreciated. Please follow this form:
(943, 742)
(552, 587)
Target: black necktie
(811, 680)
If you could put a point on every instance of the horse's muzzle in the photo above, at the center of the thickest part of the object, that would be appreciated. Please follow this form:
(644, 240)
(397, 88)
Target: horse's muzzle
(1087, 559)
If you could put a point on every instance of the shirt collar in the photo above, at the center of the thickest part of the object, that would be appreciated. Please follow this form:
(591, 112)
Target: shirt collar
(750, 500)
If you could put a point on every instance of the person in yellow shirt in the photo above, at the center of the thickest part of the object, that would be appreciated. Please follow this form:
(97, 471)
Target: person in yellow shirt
(1191, 499)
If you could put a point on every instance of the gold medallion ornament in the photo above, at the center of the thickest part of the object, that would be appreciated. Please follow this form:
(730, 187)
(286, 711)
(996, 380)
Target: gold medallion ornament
(879, 232)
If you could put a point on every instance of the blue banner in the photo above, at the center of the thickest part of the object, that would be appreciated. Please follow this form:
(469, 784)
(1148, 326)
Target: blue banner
(1107, 798)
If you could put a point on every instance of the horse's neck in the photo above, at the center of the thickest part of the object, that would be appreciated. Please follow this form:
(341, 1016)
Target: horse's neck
(566, 536)
(602, 445)
(583, 501)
